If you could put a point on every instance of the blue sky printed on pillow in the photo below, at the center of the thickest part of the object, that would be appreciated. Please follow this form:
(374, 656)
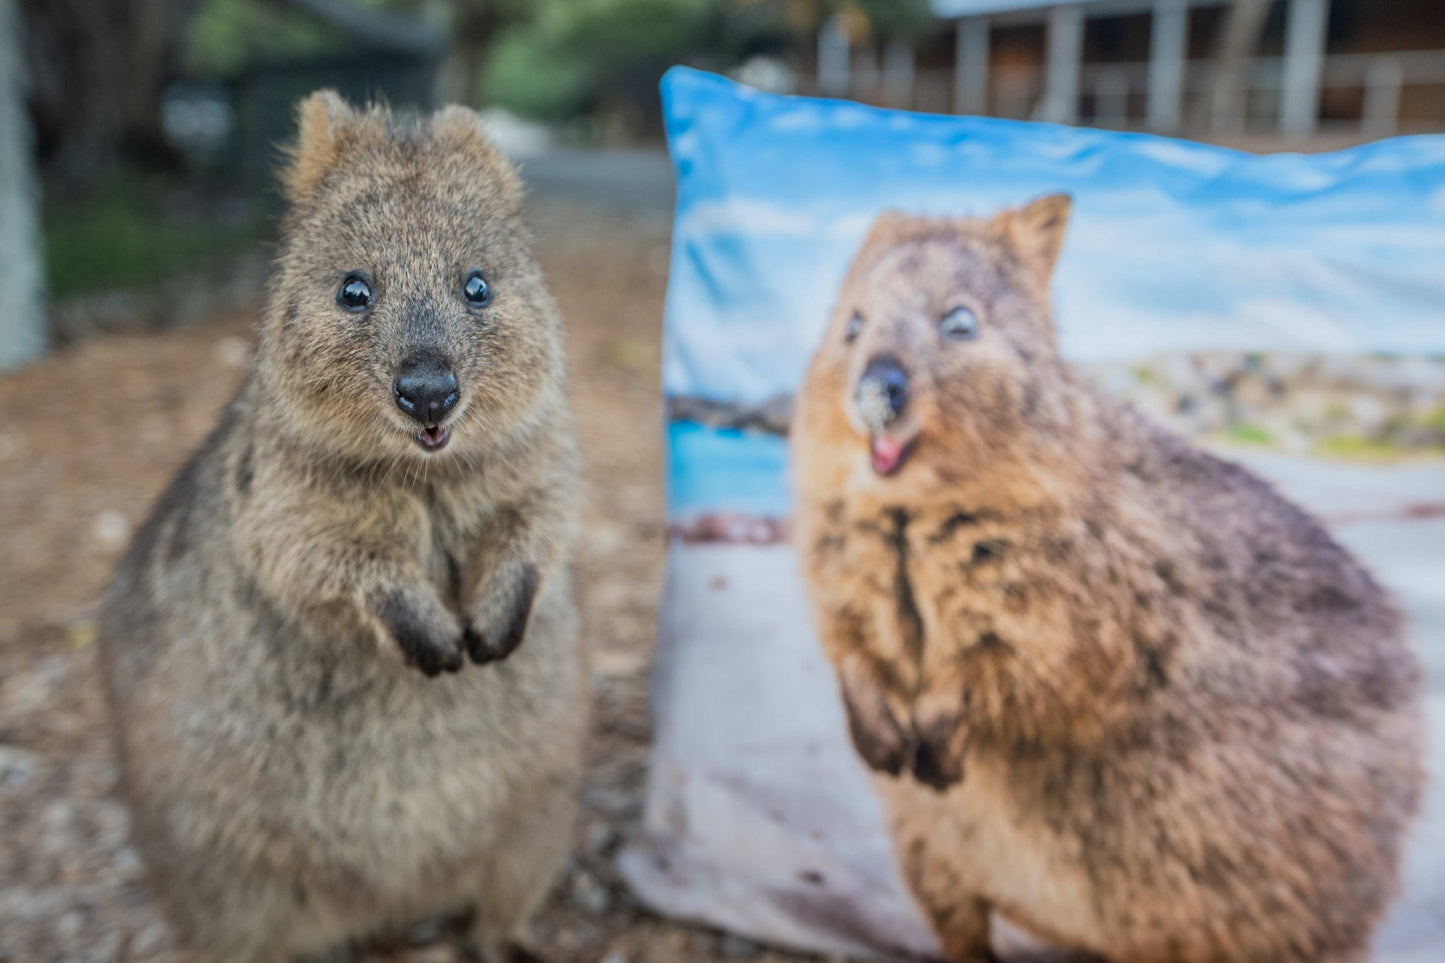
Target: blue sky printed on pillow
(1172, 245)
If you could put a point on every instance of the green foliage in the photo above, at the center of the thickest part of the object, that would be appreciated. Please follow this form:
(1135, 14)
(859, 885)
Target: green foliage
(527, 75)
(553, 59)
(577, 54)
(225, 34)
(558, 64)
(888, 18)
(618, 36)
(124, 235)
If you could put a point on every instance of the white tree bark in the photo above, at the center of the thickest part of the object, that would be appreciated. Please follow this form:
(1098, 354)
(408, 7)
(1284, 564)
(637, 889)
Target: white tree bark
(22, 331)
(1304, 57)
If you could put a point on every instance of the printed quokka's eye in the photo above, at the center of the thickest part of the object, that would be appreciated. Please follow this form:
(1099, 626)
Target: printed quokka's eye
(960, 324)
(854, 328)
(476, 290)
(354, 293)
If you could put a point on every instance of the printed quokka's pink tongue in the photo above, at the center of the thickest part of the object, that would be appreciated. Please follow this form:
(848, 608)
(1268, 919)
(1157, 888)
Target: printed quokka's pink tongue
(887, 453)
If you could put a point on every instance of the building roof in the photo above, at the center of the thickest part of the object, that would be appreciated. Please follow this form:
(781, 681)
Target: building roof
(968, 8)
(953, 9)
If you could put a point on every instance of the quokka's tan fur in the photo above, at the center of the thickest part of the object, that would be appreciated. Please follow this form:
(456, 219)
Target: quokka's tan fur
(306, 756)
(1113, 687)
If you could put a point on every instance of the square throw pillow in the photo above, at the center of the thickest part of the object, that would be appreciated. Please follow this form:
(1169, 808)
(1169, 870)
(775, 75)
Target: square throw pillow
(1295, 302)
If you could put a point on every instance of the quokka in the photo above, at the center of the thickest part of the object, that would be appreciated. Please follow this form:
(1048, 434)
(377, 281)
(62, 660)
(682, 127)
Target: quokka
(342, 653)
(1113, 687)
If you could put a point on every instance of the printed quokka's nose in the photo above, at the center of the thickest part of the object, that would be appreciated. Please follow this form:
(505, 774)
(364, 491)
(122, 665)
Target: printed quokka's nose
(426, 390)
(884, 386)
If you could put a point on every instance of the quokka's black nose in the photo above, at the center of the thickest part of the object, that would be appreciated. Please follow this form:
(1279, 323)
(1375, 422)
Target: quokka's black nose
(885, 379)
(426, 390)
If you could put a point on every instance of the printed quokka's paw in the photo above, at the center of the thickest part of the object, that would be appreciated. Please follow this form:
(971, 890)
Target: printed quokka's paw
(938, 753)
(989, 956)
(428, 645)
(502, 623)
(881, 742)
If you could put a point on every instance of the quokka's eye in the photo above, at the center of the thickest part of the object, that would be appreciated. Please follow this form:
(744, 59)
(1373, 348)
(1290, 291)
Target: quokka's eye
(959, 324)
(354, 293)
(476, 290)
(854, 328)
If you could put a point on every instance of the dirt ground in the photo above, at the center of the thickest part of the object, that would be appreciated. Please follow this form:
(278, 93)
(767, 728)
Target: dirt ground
(89, 436)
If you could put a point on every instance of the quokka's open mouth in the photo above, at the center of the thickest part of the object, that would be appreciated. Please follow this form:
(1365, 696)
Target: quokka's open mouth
(434, 437)
(889, 454)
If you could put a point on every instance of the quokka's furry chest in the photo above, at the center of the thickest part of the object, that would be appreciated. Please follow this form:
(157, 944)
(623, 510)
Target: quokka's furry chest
(285, 724)
(389, 776)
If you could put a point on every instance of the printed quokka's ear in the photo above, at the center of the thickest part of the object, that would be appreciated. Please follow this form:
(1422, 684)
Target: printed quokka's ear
(1037, 232)
(321, 119)
(461, 129)
(888, 229)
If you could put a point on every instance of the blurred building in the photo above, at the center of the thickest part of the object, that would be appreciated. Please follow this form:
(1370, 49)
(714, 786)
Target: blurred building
(1221, 68)
(371, 53)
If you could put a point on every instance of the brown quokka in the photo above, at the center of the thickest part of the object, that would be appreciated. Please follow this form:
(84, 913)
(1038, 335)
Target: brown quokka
(307, 756)
(1112, 687)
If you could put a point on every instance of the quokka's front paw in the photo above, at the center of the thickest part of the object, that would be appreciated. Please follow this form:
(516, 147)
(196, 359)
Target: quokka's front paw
(501, 619)
(430, 644)
(509, 951)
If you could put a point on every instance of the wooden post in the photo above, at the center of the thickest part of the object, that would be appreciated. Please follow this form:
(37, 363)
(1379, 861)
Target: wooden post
(1168, 39)
(1304, 55)
(1060, 103)
(970, 68)
(22, 325)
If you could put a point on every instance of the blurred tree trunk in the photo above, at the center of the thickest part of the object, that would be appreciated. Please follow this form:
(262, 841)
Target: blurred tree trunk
(473, 31)
(473, 27)
(1229, 86)
(22, 333)
(98, 71)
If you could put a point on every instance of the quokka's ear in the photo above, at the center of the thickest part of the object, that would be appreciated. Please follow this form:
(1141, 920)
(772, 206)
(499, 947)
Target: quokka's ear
(461, 129)
(320, 119)
(1037, 232)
